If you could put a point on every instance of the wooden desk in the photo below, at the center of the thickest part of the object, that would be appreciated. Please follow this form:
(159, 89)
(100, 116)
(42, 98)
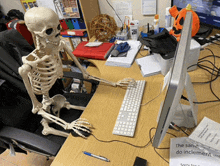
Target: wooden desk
(103, 109)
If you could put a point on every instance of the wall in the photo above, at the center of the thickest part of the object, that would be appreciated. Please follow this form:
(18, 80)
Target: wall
(137, 15)
(105, 9)
(7, 5)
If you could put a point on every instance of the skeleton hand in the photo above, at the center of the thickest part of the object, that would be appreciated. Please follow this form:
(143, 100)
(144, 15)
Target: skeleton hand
(80, 127)
(125, 82)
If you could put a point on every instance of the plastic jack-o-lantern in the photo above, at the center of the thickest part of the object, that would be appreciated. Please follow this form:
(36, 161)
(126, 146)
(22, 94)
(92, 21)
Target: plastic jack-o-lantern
(179, 20)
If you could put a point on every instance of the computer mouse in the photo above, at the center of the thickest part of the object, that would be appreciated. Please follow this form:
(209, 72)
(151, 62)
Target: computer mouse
(86, 134)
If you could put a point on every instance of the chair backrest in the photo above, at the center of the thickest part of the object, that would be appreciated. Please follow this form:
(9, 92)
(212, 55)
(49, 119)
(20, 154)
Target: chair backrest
(15, 104)
(12, 47)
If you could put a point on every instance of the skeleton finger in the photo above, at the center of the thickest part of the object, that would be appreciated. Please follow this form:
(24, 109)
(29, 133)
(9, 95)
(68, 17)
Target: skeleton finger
(126, 82)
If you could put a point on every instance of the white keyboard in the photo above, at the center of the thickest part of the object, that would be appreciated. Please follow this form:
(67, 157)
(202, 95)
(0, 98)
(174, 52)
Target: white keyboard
(128, 113)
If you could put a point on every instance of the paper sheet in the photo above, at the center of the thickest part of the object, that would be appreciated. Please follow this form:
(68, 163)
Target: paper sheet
(122, 9)
(183, 153)
(149, 66)
(49, 4)
(207, 135)
(149, 7)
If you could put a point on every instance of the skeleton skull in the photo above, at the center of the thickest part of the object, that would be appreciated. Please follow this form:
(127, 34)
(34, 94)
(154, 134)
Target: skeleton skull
(44, 23)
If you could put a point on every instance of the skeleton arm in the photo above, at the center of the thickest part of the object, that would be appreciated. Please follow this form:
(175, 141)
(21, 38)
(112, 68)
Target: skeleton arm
(86, 75)
(23, 71)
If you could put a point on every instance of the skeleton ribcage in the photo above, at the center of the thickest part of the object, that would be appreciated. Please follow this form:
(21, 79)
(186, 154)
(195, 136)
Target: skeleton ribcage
(44, 76)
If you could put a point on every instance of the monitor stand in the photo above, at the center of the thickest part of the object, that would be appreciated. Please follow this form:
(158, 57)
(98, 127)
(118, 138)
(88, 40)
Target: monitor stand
(186, 115)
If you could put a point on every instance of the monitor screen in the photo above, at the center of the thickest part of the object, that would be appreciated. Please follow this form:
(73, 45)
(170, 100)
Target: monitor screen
(171, 110)
(207, 10)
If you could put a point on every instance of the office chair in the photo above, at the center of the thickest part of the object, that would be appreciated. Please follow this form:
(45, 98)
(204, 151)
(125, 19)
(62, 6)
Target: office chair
(20, 129)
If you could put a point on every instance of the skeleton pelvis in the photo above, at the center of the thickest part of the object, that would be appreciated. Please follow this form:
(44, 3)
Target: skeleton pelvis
(54, 104)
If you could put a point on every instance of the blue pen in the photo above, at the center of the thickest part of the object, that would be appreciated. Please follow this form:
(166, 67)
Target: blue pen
(98, 157)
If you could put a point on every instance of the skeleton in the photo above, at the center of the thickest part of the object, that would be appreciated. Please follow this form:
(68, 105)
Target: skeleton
(43, 66)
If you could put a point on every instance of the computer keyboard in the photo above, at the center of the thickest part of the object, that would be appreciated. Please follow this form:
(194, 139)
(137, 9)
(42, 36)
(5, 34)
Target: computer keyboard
(128, 114)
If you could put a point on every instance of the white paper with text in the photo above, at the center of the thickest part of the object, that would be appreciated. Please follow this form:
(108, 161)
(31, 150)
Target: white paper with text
(207, 135)
(184, 153)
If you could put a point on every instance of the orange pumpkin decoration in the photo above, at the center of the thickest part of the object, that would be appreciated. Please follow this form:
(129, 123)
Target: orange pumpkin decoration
(179, 20)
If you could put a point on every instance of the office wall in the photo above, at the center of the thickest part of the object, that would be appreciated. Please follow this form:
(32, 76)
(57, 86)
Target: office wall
(137, 15)
(7, 5)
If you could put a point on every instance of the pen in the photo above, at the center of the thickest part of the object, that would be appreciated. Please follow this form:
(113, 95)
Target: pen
(98, 157)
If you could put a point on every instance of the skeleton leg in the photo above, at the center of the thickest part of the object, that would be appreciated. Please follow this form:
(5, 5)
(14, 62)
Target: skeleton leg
(86, 75)
(50, 130)
(23, 71)
(79, 124)
(69, 106)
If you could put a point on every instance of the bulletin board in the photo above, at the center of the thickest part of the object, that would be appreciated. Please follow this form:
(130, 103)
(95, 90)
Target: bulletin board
(28, 4)
(70, 8)
(64, 8)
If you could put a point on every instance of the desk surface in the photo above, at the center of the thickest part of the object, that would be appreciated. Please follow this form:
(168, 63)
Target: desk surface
(103, 109)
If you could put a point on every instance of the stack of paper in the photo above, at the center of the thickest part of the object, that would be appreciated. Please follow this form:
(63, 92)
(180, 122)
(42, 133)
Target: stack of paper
(201, 148)
(149, 65)
(129, 59)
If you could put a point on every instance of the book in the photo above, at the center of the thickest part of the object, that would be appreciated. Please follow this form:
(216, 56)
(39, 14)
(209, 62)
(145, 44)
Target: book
(98, 52)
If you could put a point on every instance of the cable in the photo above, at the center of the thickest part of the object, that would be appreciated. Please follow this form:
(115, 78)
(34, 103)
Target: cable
(154, 97)
(161, 156)
(136, 146)
(210, 70)
(115, 12)
(159, 148)
(142, 54)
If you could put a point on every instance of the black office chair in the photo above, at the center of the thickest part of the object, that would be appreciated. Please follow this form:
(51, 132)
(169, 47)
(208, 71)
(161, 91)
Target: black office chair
(20, 129)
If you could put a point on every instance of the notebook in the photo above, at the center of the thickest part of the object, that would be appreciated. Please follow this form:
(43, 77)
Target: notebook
(97, 52)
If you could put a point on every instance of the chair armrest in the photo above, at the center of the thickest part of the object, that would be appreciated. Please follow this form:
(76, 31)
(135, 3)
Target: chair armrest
(30, 140)
(78, 76)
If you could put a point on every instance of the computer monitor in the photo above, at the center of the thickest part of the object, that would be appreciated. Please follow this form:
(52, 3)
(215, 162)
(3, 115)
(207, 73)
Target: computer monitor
(208, 10)
(171, 110)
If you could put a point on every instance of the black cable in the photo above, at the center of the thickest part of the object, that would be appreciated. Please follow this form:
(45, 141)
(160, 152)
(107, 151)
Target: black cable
(205, 102)
(210, 85)
(183, 131)
(161, 156)
(207, 68)
(136, 146)
(159, 148)
(142, 54)
(115, 12)
(215, 43)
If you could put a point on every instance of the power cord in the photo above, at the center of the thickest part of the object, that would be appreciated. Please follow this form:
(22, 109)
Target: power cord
(213, 71)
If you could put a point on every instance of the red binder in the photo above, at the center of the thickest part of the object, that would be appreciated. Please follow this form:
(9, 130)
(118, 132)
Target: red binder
(100, 52)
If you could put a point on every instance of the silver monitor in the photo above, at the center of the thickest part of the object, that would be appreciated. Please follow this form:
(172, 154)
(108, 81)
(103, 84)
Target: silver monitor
(171, 110)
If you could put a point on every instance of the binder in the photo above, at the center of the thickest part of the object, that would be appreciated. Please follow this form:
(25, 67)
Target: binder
(69, 23)
(63, 24)
(98, 52)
